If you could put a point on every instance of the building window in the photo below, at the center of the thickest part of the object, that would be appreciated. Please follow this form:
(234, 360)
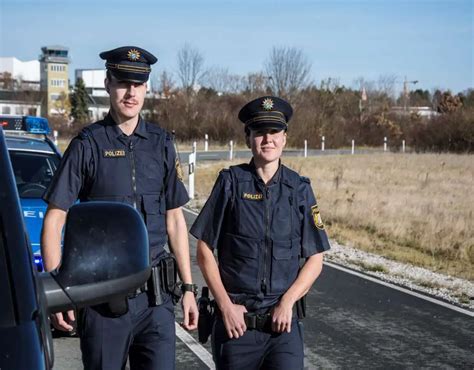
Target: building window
(32, 111)
(58, 83)
(54, 97)
(6, 110)
(58, 68)
(19, 111)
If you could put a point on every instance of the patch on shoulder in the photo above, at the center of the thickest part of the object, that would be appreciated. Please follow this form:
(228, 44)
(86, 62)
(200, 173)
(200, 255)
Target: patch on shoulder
(179, 170)
(113, 153)
(250, 196)
(318, 222)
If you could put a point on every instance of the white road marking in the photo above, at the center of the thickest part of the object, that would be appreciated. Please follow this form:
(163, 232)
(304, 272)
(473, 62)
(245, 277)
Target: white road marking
(191, 211)
(189, 341)
(404, 290)
(194, 346)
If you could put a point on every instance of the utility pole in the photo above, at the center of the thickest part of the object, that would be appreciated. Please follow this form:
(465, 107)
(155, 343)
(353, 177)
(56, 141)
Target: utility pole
(406, 92)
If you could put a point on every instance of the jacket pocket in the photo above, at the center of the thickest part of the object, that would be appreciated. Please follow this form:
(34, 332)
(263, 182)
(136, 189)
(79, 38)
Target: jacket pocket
(154, 212)
(239, 263)
(285, 264)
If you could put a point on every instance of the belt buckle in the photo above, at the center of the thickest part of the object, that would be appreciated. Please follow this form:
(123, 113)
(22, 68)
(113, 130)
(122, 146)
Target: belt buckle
(262, 322)
(250, 321)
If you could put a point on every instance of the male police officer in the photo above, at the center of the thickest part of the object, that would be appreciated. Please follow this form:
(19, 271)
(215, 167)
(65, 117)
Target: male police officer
(125, 159)
(261, 217)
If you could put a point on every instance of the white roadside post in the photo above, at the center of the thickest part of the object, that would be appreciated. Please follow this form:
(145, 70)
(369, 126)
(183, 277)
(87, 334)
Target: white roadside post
(194, 147)
(231, 150)
(322, 143)
(385, 144)
(206, 142)
(191, 167)
(305, 148)
(353, 147)
(55, 135)
(403, 146)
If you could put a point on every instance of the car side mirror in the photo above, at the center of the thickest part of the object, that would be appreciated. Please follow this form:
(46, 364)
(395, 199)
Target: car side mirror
(105, 255)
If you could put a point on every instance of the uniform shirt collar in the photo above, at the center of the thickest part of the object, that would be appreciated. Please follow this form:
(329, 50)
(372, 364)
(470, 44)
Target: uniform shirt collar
(113, 131)
(274, 180)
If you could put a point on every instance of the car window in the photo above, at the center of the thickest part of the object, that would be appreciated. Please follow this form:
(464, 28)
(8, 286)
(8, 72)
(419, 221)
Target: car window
(33, 172)
(7, 316)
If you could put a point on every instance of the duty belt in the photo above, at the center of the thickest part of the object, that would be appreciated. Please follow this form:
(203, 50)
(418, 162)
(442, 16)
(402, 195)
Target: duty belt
(260, 322)
(253, 321)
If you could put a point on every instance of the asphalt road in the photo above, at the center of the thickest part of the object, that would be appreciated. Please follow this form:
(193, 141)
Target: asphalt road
(352, 322)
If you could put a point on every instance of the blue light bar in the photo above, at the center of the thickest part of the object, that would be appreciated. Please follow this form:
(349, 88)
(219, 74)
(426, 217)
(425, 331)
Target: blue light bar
(29, 124)
(36, 125)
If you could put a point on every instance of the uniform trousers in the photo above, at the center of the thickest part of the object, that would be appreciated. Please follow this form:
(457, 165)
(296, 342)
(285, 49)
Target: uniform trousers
(145, 334)
(258, 349)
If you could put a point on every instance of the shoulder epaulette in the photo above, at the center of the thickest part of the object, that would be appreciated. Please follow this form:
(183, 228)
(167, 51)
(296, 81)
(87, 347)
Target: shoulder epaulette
(224, 172)
(155, 129)
(305, 179)
(88, 130)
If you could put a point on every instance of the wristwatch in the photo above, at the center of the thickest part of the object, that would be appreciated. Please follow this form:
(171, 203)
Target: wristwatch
(189, 288)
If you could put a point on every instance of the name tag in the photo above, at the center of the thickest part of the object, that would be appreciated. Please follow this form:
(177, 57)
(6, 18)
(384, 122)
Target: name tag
(249, 196)
(114, 153)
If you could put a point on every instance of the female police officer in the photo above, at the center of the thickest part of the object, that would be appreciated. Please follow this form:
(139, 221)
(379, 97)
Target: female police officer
(122, 158)
(262, 218)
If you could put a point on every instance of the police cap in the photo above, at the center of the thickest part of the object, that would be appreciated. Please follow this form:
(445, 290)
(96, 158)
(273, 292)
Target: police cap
(266, 112)
(129, 63)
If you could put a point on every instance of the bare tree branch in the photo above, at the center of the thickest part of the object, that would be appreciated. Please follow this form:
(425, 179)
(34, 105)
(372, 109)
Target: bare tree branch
(190, 66)
(287, 69)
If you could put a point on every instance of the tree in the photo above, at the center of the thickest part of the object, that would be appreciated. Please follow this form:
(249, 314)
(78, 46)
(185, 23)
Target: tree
(79, 102)
(287, 69)
(166, 85)
(420, 98)
(62, 104)
(220, 80)
(190, 66)
(449, 103)
(7, 81)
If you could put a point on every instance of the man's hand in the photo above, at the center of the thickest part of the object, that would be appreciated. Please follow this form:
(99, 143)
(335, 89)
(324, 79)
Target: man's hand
(234, 322)
(190, 311)
(282, 314)
(62, 320)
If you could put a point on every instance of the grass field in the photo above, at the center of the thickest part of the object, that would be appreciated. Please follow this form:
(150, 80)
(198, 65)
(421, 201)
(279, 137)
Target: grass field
(415, 208)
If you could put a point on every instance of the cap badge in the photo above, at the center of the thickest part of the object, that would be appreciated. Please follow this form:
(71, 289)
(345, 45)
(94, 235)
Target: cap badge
(267, 104)
(133, 55)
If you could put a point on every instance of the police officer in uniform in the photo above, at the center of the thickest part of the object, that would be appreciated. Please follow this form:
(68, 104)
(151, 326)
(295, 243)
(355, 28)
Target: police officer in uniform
(262, 218)
(122, 158)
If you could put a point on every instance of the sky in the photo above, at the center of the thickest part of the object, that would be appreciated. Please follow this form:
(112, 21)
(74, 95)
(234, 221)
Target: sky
(429, 41)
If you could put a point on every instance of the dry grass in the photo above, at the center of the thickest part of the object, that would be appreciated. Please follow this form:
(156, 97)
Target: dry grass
(415, 208)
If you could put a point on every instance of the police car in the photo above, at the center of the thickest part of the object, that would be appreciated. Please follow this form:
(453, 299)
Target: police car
(34, 159)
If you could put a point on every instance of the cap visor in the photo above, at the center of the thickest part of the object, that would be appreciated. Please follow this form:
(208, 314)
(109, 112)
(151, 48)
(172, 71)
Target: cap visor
(129, 76)
(267, 125)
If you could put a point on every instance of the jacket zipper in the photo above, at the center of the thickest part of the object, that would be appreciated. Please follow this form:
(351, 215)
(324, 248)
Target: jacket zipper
(134, 183)
(267, 240)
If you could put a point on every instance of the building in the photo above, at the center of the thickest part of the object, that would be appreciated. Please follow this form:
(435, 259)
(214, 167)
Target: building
(427, 112)
(21, 102)
(20, 87)
(54, 79)
(16, 74)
